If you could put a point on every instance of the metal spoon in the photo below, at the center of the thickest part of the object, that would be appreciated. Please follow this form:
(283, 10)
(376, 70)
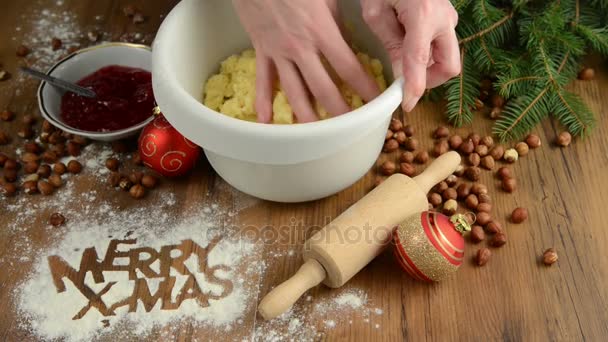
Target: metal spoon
(59, 83)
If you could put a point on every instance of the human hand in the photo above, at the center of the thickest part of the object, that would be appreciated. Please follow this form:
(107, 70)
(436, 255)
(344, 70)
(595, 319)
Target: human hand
(290, 37)
(420, 38)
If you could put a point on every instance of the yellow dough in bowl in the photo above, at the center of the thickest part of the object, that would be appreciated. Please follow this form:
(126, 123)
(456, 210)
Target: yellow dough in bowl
(232, 91)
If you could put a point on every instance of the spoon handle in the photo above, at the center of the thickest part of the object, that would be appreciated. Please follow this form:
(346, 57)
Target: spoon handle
(59, 83)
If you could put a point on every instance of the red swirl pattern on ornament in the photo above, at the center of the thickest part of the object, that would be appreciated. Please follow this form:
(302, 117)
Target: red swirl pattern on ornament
(172, 165)
(148, 146)
(406, 263)
(442, 239)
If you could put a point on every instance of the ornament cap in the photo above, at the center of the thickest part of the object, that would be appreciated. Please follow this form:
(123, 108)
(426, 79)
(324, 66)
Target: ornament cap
(461, 223)
(156, 111)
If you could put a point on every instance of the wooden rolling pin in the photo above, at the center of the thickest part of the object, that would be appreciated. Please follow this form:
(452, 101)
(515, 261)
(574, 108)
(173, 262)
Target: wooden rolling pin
(341, 249)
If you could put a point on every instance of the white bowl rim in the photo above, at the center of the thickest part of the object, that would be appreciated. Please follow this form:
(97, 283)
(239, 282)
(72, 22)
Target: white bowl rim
(90, 134)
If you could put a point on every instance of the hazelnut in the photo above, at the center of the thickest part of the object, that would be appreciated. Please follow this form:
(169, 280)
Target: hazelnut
(586, 74)
(533, 141)
(483, 218)
(59, 168)
(389, 134)
(474, 159)
(114, 179)
(407, 169)
(519, 215)
(451, 180)
(30, 187)
(56, 181)
(522, 148)
(10, 175)
(400, 137)
(31, 167)
(441, 187)
(409, 130)
(504, 172)
(29, 157)
(482, 150)
(488, 163)
(471, 202)
(493, 227)
(477, 234)
(511, 155)
(411, 144)
(120, 147)
(22, 51)
(479, 104)
(435, 199)
(387, 168)
(56, 44)
(455, 141)
(25, 132)
(422, 157)
(8, 189)
(74, 167)
(509, 184)
(73, 149)
(396, 125)
(495, 113)
(49, 157)
(441, 132)
(390, 145)
(4, 75)
(484, 207)
(137, 191)
(499, 239)
(497, 101)
(441, 147)
(44, 171)
(125, 184)
(45, 188)
(4, 138)
(7, 115)
(459, 171)
(31, 178)
(149, 181)
(467, 147)
(450, 207)
(112, 164)
(483, 256)
(57, 220)
(136, 176)
(484, 198)
(44, 137)
(450, 194)
(550, 257)
(463, 190)
(473, 173)
(137, 159)
(564, 139)
(130, 10)
(32, 147)
(47, 127)
(11, 164)
(3, 159)
(80, 140)
(93, 36)
(487, 141)
(476, 138)
(407, 157)
(479, 189)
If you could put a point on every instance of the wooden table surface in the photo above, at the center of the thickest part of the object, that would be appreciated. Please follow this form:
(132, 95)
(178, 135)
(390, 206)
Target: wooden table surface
(513, 298)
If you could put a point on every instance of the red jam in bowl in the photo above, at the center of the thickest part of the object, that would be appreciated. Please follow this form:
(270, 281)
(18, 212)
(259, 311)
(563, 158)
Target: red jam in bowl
(124, 99)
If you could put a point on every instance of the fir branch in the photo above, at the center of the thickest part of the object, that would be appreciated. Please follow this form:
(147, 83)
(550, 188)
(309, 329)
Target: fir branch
(521, 115)
(570, 110)
(487, 30)
(516, 86)
(462, 91)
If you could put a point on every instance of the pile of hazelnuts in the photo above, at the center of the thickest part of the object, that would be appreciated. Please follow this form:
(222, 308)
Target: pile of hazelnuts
(462, 191)
(38, 169)
(136, 183)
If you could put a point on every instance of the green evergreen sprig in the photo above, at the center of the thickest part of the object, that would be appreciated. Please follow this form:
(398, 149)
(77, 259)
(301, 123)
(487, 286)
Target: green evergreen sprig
(533, 50)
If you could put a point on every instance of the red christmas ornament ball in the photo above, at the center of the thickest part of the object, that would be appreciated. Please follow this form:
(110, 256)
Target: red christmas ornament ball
(429, 246)
(165, 150)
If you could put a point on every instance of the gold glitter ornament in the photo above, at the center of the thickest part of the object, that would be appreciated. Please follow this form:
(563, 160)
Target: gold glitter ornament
(429, 246)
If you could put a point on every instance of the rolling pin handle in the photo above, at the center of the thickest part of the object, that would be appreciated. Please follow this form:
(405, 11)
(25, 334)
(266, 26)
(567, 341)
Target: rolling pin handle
(281, 298)
(439, 170)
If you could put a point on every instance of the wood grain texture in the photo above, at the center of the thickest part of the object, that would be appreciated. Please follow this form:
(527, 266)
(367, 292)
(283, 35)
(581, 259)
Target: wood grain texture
(513, 298)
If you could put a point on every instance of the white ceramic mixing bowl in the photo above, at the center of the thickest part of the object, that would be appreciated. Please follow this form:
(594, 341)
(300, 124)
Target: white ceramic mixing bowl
(293, 163)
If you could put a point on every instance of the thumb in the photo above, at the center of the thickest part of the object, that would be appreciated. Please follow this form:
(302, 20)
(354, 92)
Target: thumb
(382, 20)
